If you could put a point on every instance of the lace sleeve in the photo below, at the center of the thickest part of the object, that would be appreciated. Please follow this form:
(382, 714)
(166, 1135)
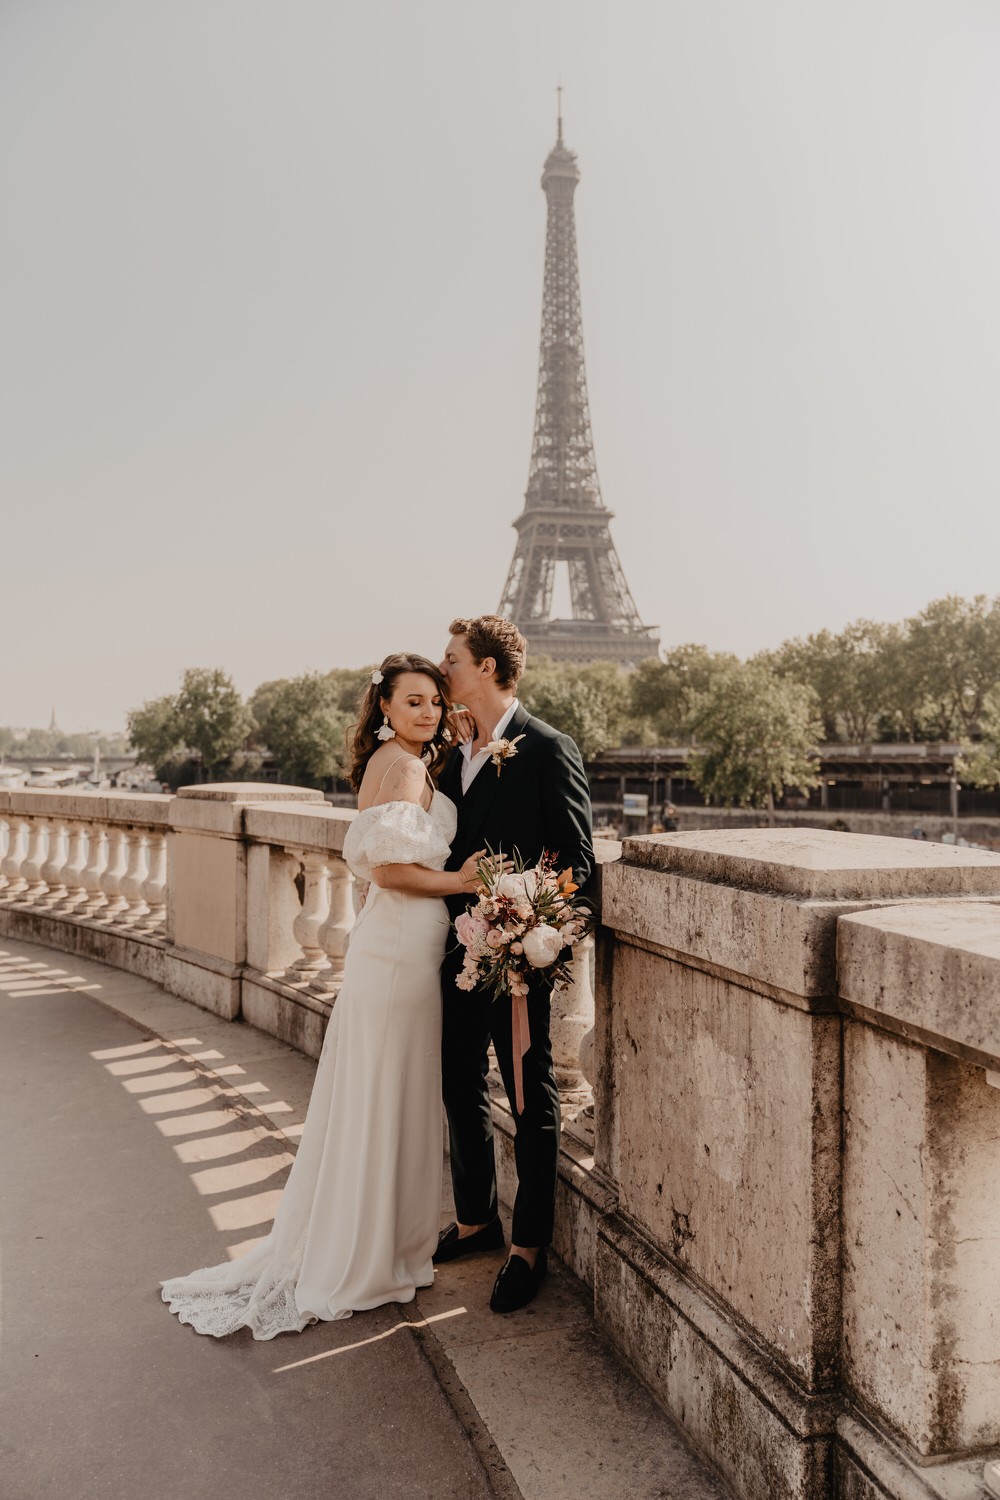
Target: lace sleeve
(394, 833)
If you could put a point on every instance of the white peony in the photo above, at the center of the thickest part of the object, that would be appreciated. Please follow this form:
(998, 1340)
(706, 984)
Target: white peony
(542, 946)
(518, 887)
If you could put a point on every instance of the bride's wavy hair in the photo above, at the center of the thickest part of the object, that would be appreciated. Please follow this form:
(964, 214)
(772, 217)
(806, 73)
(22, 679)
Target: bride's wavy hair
(362, 743)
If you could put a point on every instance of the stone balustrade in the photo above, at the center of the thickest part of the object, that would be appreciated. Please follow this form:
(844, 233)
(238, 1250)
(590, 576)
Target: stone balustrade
(785, 1197)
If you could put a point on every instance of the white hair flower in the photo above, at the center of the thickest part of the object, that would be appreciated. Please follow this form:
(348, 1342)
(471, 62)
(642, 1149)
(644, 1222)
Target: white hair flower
(376, 677)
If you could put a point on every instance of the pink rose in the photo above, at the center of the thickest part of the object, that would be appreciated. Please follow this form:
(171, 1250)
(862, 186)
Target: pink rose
(495, 939)
(471, 931)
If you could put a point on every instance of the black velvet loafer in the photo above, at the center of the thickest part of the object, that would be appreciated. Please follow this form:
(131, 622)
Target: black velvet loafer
(518, 1283)
(452, 1246)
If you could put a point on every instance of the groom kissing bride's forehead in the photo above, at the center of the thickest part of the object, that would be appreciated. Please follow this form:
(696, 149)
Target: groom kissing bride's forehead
(519, 785)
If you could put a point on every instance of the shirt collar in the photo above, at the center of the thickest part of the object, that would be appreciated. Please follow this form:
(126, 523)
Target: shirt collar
(497, 732)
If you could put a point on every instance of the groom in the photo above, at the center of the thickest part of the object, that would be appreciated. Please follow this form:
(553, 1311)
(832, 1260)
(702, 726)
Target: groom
(534, 799)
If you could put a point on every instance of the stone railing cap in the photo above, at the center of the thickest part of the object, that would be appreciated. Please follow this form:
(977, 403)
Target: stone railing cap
(251, 791)
(815, 864)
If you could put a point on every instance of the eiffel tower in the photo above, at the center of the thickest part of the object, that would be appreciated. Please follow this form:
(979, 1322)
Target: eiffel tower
(564, 518)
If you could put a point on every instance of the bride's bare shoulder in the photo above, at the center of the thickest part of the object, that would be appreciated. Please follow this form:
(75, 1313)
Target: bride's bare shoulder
(392, 775)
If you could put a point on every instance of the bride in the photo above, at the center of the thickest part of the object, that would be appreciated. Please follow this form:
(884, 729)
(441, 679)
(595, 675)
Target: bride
(358, 1220)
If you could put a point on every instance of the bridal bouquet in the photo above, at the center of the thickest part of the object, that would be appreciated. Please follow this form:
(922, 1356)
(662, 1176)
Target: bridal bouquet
(522, 920)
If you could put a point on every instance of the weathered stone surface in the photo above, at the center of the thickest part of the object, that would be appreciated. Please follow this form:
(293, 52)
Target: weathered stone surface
(771, 940)
(220, 807)
(766, 1443)
(812, 864)
(727, 1135)
(932, 966)
(206, 910)
(286, 823)
(921, 1305)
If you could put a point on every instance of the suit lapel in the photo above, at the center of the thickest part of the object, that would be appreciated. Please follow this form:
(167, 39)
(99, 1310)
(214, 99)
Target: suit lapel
(479, 799)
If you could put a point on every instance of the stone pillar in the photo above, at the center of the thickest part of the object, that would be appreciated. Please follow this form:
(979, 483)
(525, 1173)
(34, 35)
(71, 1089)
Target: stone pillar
(207, 891)
(53, 870)
(114, 873)
(335, 934)
(921, 1331)
(134, 880)
(33, 861)
(76, 865)
(718, 1118)
(15, 882)
(97, 854)
(307, 925)
(154, 890)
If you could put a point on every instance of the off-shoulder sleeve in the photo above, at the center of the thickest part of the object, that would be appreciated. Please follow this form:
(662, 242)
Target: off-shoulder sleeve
(394, 833)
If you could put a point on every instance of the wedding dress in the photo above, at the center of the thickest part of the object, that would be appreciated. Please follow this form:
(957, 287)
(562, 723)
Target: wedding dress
(358, 1220)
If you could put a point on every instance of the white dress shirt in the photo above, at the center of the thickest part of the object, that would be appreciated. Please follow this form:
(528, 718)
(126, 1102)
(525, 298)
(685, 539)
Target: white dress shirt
(473, 764)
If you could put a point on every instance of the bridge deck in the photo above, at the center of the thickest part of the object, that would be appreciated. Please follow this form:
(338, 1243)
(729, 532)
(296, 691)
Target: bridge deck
(144, 1138)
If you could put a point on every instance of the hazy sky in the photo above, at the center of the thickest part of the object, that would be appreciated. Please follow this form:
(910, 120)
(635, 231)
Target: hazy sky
(270, 289)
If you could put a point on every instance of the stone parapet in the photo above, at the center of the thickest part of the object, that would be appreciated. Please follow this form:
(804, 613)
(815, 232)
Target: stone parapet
(724, 1056)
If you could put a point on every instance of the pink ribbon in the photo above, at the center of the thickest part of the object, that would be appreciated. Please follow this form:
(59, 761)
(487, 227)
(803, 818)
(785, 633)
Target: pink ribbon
(521, 1039)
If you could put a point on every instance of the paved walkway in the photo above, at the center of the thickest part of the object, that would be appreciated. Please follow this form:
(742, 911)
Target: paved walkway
(144, 1138)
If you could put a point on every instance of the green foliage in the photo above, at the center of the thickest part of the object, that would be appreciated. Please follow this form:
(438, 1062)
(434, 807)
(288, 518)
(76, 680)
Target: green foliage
(756, 735)
(212, 718)
(207, 721)
(588, 701)
(980, 763)
(302, 723)
(666, 696)
(847, 672)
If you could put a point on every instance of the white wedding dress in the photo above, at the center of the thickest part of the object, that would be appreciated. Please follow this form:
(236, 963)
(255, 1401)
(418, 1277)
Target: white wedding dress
(358, 1220)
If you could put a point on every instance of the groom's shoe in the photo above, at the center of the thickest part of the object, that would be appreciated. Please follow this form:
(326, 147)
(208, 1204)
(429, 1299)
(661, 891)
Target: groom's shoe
(452, 1246)
(518, 1283)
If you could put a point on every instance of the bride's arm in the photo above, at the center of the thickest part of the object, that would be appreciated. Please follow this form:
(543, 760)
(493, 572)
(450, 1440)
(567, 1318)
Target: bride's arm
(418, 880)
(407, 782)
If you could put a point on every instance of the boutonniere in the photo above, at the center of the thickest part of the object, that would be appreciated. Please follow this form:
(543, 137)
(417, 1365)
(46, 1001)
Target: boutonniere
(501, 750)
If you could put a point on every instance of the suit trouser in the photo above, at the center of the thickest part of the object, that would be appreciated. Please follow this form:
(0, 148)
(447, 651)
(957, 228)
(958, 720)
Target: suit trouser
(471, 1018)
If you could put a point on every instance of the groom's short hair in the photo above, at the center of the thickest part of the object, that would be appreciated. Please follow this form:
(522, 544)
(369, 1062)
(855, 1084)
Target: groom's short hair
(492, 635)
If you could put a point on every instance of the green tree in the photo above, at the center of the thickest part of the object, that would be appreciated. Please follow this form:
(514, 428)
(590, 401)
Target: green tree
(756, 735)
(6, 741)
(980, 763)
(206, 721)
(155, 733)
(956, 643)
(588, 701)
(304, 727)
(849, 673)
(213, 720)
(665, 696)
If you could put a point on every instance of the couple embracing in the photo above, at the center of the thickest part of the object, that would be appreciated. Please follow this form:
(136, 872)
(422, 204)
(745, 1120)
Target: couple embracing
(357, 1225)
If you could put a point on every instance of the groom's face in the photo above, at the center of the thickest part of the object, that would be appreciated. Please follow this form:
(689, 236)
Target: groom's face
(460, 670)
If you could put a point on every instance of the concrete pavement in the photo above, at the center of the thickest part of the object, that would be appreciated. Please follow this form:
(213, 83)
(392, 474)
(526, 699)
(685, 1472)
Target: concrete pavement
(144, 1138)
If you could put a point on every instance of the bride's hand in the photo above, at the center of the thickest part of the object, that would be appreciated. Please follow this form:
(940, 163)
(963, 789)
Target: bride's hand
(462, 726)
(469, 874)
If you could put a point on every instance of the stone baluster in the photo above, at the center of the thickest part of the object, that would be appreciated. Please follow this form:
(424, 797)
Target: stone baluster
(311, 919)
(154, 890)
(34, 860)
(54, 869)
(134, 879)
(97, 855)
(114, 874)
(335, 933)
(4, 846)
(572, 1017)
(76, 865)
(14, 881)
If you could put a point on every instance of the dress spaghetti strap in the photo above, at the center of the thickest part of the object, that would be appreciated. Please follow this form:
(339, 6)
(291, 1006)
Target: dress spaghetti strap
(395, 762)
